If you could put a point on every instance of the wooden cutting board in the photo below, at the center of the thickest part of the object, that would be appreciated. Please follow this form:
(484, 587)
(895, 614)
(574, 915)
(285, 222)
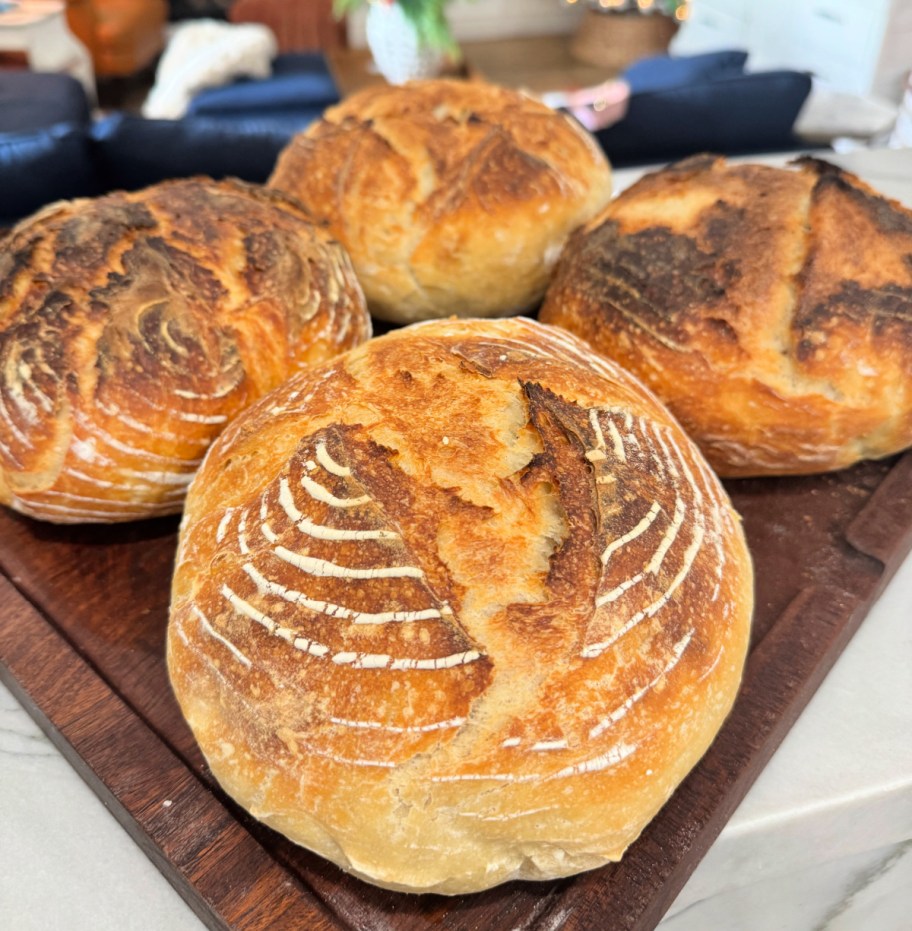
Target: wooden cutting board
(83, 612)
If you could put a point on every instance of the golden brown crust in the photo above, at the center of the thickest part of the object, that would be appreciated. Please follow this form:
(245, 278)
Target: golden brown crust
(461, 606)
(452, 197)
(134, 326)
(770, 308)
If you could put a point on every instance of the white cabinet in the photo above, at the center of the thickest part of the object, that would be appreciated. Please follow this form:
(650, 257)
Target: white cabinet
(474, 20)
(857, 46)
(714, 24)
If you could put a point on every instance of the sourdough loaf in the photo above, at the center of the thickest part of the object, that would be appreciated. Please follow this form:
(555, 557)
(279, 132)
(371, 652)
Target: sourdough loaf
(461, 606)
(133, 327)
(770, 308)
(452, 197)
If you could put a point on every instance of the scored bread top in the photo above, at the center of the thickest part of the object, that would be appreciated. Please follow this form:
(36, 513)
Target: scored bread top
(461, 606)
(768, 307)
(452, 197)
(134, 326)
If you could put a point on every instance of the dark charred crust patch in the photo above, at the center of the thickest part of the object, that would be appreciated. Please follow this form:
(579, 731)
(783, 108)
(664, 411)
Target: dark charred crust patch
(703, 161)
(271, 261)
(563, 426)
(37, 341)
(201, 282)
(157, 320)
(84, 242)
(804, 350)
(262, 249)
(882, 310)
(654, 276)
(882, 211)
(724, 223)
(46, 327)
(11, 265)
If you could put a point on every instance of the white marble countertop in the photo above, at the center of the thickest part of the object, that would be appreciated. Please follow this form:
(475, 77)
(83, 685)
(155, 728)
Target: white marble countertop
(823, 839)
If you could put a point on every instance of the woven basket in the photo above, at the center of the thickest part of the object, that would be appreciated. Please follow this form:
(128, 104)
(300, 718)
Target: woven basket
(616, 40)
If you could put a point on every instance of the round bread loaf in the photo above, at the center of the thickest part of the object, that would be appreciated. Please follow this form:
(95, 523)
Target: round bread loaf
(770, 308)
(461, 606)
(452, 197)
(133, 327)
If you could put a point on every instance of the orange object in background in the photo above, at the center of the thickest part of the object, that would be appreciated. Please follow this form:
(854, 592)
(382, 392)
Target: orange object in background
(122, 36)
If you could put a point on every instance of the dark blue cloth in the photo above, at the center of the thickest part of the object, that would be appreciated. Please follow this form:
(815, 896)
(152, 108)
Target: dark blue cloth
(132, 152)
(748, 113)
(661, 72)
(290, 92)
(128, 152)
(300, 63)
(31, 100)
(270, 122)
(731, 115)
(300, 88)
(38, 168)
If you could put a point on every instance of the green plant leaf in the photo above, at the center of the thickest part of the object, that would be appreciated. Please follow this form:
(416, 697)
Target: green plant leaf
(342, 7)
(427, 16)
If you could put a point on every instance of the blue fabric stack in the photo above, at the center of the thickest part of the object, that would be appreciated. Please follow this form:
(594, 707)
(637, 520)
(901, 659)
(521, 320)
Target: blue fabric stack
(704, 103)
(299, 90)
(51, 149)
(45, 152)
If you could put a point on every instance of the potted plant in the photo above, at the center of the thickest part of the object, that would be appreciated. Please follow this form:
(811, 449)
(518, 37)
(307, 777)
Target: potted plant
(407, 38)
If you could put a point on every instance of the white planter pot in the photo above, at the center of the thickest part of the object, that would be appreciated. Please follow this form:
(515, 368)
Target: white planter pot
(398, 53)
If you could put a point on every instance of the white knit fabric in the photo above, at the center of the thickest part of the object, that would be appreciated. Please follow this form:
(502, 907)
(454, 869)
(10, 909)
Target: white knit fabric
(207, 53)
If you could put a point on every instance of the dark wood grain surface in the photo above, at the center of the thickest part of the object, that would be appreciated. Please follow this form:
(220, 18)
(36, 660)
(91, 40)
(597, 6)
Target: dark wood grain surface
(83, 612)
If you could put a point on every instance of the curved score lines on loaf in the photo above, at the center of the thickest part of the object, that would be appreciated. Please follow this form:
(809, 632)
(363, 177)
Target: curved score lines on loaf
(160, 327)
(32, 372)
(650, 541)
(95, 362)
(667, 537)
(134, 327)
(46, 434)
(296, 537)
(622, 448)
(669, 540)
(21, 396)
(320, 502)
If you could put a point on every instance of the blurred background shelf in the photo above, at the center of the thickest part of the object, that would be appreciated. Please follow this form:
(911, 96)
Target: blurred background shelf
(537, 63)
